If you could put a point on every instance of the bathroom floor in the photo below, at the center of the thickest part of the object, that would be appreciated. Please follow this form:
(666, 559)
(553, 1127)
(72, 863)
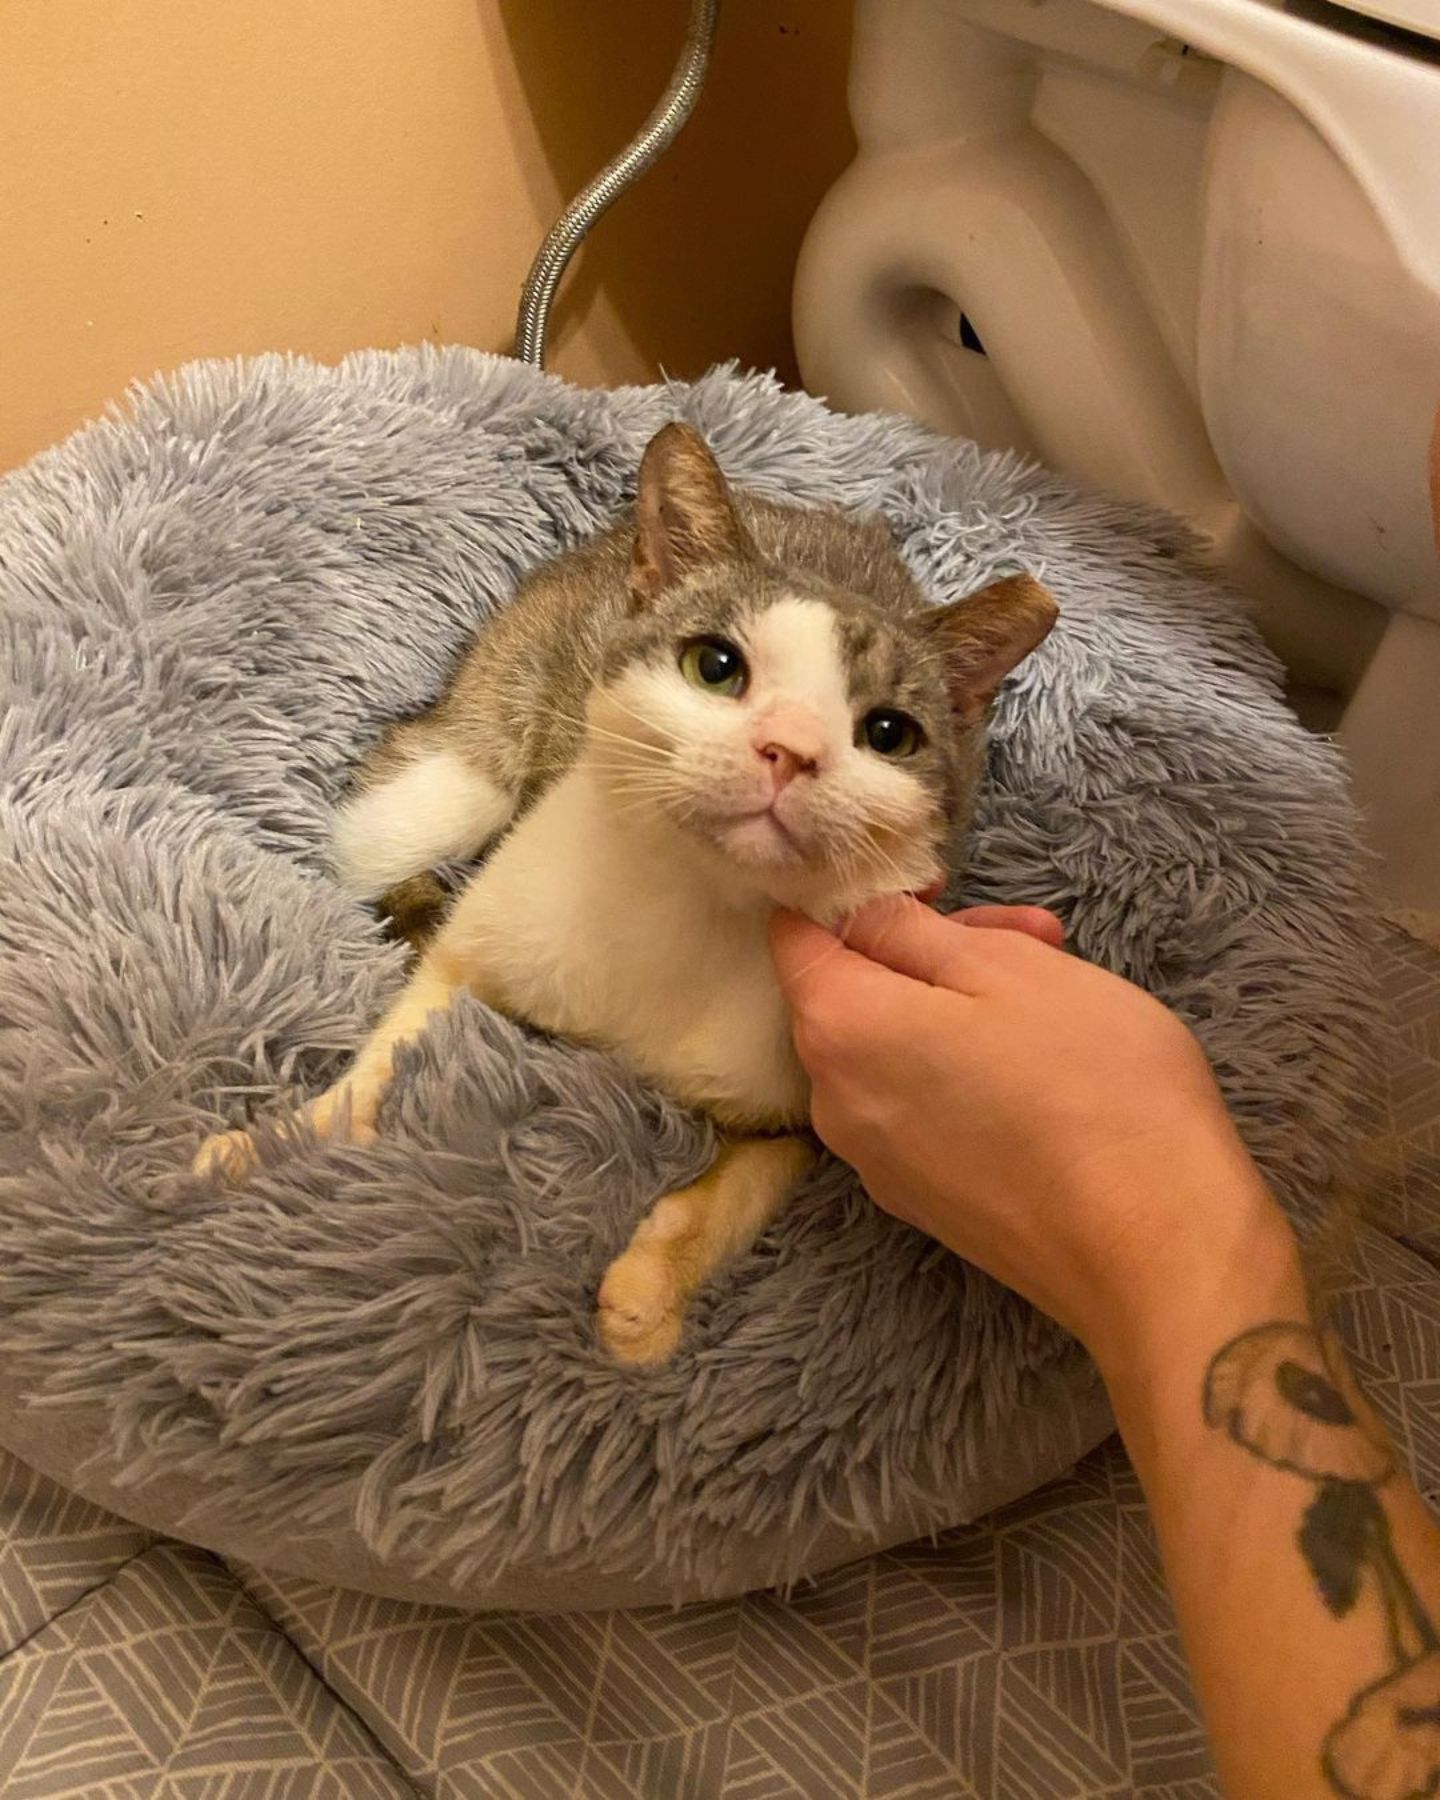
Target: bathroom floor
(1031, 1655)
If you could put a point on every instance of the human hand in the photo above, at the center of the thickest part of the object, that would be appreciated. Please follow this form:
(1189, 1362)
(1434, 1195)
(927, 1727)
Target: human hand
(1043, 1118)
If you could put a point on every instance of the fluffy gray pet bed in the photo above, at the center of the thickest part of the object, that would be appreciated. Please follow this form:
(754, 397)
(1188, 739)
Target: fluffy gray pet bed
(377, 1366)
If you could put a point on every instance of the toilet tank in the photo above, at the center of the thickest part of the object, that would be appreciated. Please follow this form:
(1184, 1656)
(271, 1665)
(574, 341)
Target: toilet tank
(1317, 354)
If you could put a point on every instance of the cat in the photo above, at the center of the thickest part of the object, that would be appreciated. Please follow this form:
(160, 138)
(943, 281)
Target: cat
(719, 706)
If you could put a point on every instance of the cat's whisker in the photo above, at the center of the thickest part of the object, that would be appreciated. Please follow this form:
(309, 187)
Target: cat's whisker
(625, 706)
(641, 805)
(623, 765)
(872, 856)
(647, 789)
(614, 699)
(617, 737)
(629, 774)
(584, 722)
(646, 781)
(887, 865)
(649, 806)
(622, 758)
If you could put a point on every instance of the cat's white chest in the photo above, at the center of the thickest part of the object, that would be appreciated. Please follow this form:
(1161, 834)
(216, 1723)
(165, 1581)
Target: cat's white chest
(598, 930)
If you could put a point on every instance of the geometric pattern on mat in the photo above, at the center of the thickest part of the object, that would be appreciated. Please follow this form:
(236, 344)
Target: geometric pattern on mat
(169, 1681)
(1408, 1208)
(54, 1547)
(1031, 1656)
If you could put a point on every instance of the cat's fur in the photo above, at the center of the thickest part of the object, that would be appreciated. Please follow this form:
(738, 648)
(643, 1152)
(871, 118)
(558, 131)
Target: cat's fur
(651, 825)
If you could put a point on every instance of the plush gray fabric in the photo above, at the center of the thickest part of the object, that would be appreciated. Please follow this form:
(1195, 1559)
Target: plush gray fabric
(208, 606)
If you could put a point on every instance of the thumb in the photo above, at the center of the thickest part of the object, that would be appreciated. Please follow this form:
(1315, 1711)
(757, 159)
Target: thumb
(795, 943)
(806, 955)
(1033, 921)
(819, 974)
(913, 940)
(945, 951)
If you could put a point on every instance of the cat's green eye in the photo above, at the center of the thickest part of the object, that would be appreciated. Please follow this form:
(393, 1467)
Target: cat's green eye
(890, 732)
(715, 665)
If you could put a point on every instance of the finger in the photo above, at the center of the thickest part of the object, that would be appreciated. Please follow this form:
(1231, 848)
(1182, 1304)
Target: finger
(808, 958)
(1034, 921)
(1435, 478)
(819, 973)
(845, 1010)
(799, 948)
(912, 940)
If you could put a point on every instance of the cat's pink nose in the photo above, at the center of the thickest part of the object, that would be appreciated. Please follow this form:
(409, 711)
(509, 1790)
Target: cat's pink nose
(786, 764)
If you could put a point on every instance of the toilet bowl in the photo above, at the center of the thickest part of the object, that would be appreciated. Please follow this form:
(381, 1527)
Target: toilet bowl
(1187, 250)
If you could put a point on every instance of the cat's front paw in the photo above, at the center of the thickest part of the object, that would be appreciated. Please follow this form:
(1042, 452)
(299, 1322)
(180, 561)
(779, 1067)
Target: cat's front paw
(233, 1154)
(230, 1154)
(640, 1312)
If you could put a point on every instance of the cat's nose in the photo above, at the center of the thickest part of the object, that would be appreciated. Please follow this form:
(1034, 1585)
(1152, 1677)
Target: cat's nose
(786, 764)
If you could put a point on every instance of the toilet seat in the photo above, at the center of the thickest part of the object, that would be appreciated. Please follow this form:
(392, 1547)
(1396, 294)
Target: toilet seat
(1376, 105)
(1422, 17)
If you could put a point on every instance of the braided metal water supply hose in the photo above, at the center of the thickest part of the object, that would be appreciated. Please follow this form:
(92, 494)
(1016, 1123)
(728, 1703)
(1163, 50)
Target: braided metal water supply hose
(655, 136)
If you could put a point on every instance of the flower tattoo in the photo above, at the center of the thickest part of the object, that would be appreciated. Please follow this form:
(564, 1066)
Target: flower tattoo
(1284, 1393)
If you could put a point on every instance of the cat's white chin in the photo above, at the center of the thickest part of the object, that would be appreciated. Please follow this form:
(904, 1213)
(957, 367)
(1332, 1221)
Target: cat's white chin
(757, 853)
(760, 841)
(768, 863)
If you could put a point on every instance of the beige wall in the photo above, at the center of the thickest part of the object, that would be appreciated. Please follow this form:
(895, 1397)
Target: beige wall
(185, 178)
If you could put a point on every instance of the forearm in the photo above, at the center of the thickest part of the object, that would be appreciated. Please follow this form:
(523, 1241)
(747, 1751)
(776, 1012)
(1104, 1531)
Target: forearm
(1060, 1129)
(1302, 1563)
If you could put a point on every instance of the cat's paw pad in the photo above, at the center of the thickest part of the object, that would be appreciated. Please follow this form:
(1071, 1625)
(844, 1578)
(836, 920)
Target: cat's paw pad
(333, 1117)
(639, 1315)
(229, 1153)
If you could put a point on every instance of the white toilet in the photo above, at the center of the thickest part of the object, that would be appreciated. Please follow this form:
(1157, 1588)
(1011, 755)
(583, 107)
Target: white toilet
(1188, 250)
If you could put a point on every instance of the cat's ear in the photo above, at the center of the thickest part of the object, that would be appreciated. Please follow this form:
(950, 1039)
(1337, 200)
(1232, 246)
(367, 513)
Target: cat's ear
(984, 636)
(684, 514)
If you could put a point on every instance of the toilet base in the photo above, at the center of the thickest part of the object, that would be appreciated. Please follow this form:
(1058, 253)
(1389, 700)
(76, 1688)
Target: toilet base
(1391, 735)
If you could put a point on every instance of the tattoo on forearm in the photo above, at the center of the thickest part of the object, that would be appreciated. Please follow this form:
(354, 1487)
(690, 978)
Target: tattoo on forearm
(1285, 1393)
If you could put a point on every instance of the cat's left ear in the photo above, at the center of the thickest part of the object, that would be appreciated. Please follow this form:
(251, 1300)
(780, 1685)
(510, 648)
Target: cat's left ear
(685, 517)
(984, 636)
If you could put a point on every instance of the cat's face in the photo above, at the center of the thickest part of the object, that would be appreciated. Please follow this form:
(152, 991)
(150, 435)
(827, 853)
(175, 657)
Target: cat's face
(792, 730)
(816, 742)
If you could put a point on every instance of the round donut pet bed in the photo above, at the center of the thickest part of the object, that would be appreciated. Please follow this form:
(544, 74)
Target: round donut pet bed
(377, 1366)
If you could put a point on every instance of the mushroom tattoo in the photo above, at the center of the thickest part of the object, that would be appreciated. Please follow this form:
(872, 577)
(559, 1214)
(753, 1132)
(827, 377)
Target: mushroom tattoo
(1283, 1392)
(1387, 1747)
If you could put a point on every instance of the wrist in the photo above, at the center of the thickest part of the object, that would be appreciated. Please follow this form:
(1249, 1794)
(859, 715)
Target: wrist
(1155, 1359)
(1226, 1259)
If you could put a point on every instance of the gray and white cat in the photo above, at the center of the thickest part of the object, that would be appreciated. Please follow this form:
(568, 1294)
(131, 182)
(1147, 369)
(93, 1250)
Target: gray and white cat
(719, 707)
